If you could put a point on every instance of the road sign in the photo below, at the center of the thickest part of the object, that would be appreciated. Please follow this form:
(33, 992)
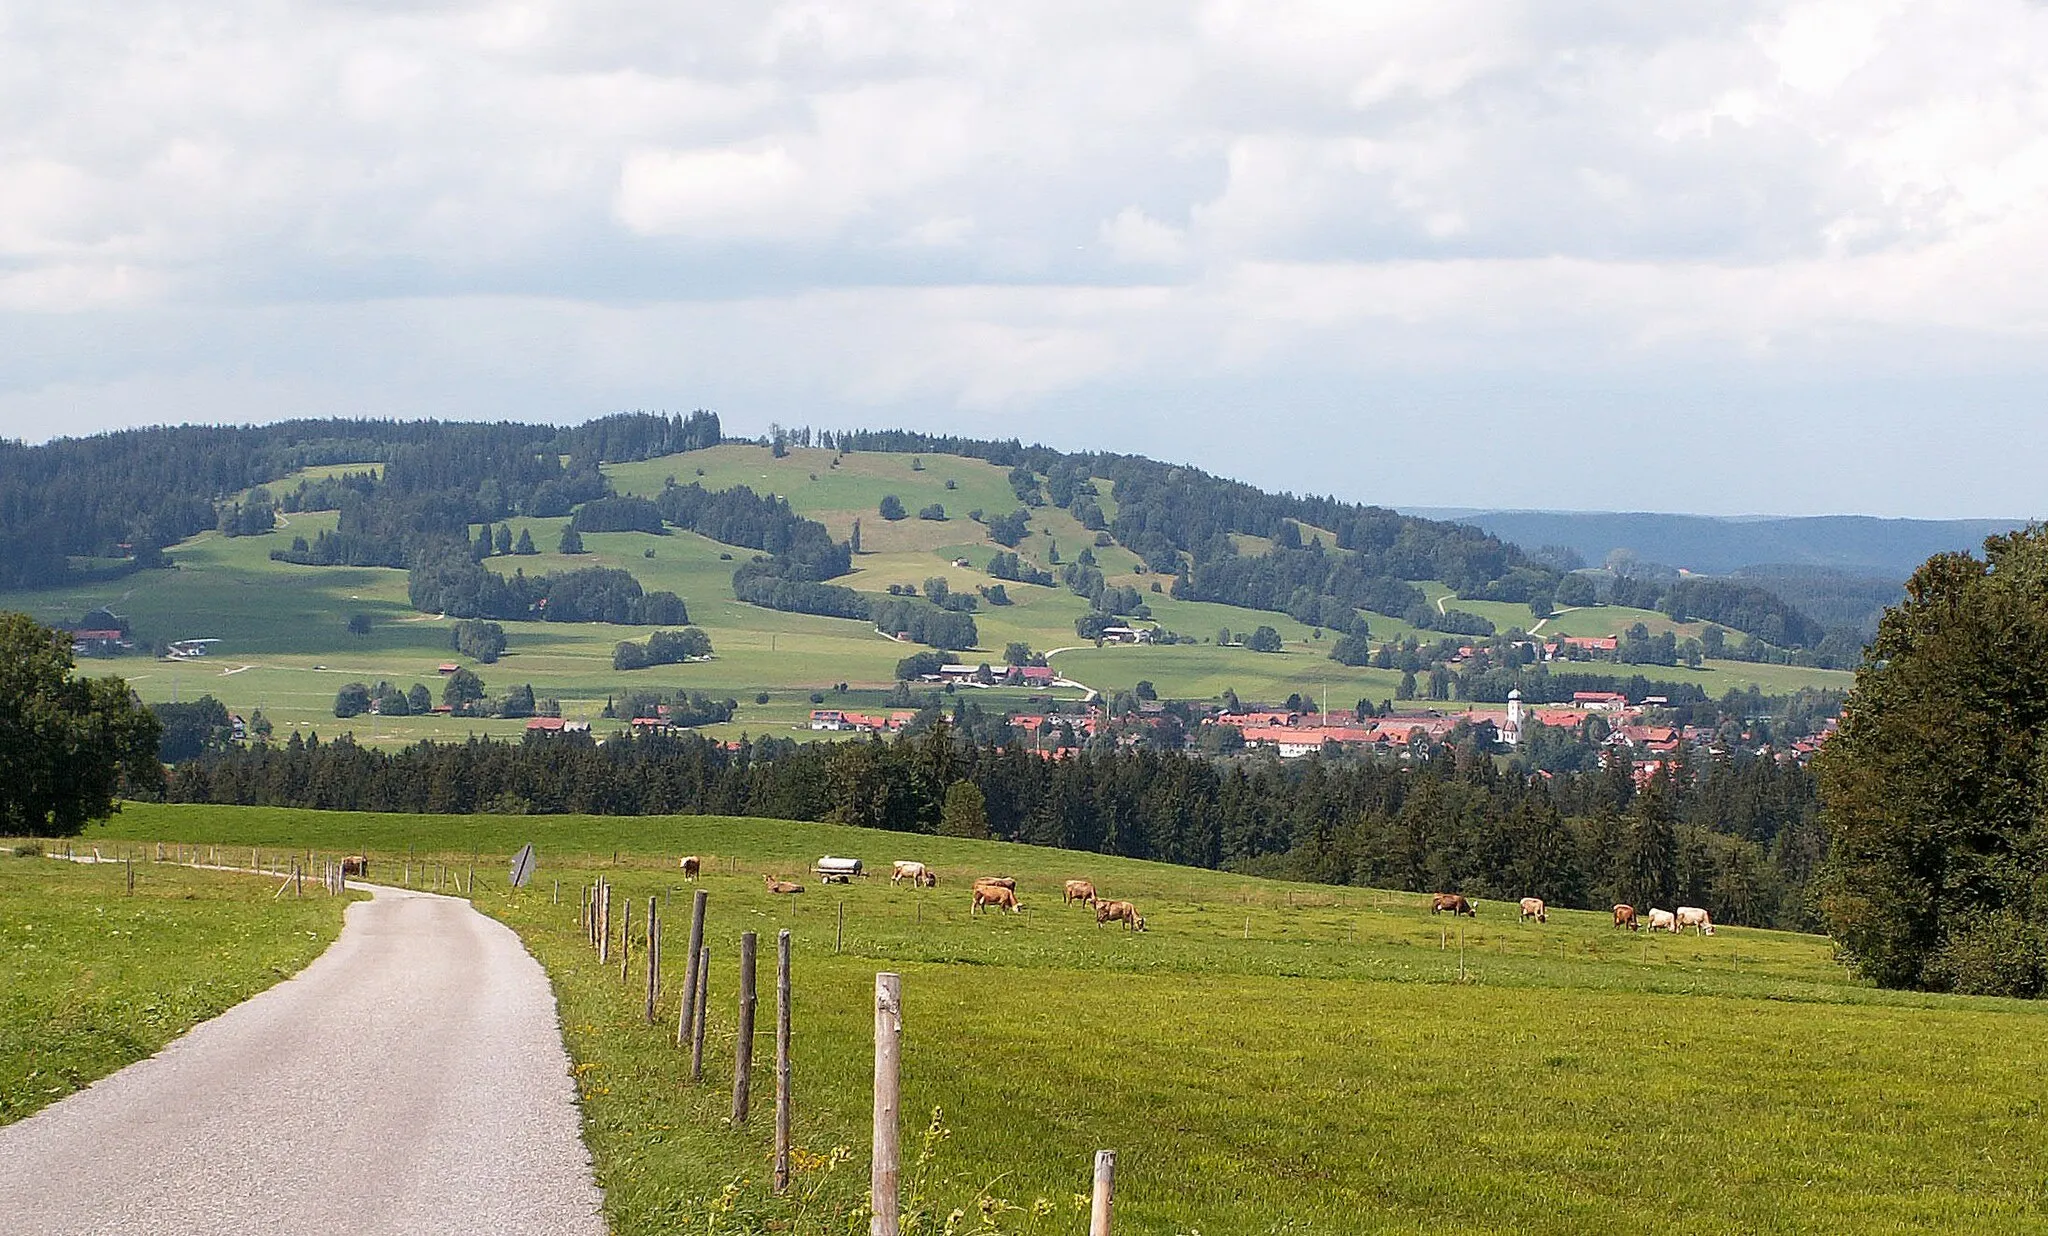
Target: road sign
(523, 864)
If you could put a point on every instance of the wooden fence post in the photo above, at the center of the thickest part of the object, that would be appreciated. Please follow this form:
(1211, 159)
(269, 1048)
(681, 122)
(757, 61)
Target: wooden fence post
(839, 943)
(687, 1011)
(703, 1014)
(653, 958)
(743, 1054)
(626, 939)
(882, 1177)
(1105, 1189)
(782, 1096)
(604, 925)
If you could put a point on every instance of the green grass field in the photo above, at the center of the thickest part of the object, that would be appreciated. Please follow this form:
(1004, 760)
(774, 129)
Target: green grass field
(92, 978)
(1266, 1058)
(285, 648)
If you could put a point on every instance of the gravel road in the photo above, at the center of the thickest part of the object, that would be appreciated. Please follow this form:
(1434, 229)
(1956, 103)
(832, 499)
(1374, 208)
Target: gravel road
(412, 1079)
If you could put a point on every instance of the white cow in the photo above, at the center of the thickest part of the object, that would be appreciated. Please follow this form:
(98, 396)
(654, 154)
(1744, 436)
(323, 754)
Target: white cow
(1695, 918)
(917, 873)
(1663, 920)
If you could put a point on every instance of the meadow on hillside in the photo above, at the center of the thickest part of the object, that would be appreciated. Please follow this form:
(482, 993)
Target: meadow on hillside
(285, 647)
(1265, 1058)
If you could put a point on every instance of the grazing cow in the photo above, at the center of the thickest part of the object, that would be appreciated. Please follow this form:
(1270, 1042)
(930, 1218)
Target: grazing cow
(1695, 918)
(994, 895)
(1625, 916)
(356, 865)
(1663, 920)
(1009, 882)
(782, 886)
(1080, 890)
(692, 866)
(913, 872)
(1119, 912)
(1453, 902)
(1532, 907)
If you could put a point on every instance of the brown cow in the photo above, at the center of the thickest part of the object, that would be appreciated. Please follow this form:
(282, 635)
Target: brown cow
(1532, 907)
(356, 865)
(1080, 890)
(1119, 911)
(692, 866)
(994, 895)
(1625, 916)
(1009, 882)
(1453, 902)
(782, 886)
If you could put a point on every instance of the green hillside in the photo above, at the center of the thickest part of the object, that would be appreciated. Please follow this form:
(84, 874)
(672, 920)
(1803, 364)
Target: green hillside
(284, 647)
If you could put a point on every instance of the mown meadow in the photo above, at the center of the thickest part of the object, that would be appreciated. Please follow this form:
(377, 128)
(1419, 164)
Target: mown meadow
(1266, 1058)
(94, 977)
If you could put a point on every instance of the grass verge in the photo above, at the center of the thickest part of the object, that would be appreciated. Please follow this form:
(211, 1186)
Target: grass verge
(92, 978)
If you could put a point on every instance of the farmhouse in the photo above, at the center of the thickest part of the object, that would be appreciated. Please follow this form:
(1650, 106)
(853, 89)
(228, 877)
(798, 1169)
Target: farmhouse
(1660, 739)
(86, 643)
(1036, 675)
(1600, 701)
(1592, 643)
(1127, 635)
(556, 725)
(834, 719)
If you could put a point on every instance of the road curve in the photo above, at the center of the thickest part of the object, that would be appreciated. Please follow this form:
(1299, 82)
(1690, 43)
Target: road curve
(412, 1079)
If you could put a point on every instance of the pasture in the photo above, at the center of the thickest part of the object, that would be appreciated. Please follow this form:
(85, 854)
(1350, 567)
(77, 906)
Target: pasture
(93, 978)
(1266, 1058)
(285, 647)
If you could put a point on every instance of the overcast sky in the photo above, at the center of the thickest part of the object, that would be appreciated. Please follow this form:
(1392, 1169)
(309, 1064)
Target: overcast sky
(1727, 257)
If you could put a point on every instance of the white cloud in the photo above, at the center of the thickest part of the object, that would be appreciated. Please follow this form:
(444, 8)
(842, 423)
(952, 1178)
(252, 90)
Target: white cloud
(1134, 236)
(716, 194)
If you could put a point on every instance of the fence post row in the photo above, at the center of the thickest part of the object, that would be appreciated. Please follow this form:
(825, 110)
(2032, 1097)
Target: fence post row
(743, 1052)
(882, 1178)
(782, 1028)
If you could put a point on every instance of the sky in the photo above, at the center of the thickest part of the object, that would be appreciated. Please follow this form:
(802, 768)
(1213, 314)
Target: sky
(1719, 258)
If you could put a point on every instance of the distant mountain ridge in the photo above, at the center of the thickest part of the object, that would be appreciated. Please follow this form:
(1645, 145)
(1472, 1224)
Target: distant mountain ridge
(1860, 544)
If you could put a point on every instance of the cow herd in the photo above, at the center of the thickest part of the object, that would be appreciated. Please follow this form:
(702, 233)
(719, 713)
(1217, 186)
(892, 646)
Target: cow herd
(1625, 915)
(990, 893)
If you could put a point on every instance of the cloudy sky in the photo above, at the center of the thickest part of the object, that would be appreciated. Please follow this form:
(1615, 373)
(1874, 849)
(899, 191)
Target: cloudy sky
(1728, 257)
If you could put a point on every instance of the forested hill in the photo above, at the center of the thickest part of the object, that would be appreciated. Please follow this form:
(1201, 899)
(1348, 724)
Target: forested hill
(116, 500)
(112, 502)
(433, 497)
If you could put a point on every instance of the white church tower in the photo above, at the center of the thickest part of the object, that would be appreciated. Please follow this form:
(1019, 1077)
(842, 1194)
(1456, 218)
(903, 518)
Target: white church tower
(1513, 734)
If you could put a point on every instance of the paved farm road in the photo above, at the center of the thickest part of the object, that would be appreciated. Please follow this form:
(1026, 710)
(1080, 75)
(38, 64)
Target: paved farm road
(412, 1079)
